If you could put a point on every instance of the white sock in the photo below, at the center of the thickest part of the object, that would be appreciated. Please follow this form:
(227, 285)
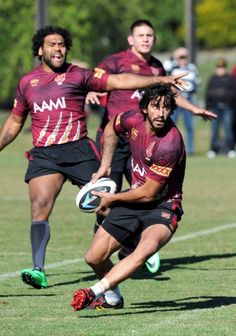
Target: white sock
(113, 296)
(100, 287)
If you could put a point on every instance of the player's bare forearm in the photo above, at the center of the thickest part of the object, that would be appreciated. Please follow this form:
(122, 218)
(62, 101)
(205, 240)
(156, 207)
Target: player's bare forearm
(10, 129)
(145, 193)
(110, 141)
(131, 81)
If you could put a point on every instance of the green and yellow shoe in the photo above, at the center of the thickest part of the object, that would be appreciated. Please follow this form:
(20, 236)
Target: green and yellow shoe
(153, 263)
(34, 278)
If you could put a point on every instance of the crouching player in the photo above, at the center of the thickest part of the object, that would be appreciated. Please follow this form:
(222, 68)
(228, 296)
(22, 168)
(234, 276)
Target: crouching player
(152, 206)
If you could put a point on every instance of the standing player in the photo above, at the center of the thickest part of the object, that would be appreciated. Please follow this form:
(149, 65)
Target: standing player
(137, 60)
(53, 94)
(152, 206)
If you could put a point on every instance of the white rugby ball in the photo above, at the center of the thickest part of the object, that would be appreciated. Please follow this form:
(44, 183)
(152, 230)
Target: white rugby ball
(88, 202)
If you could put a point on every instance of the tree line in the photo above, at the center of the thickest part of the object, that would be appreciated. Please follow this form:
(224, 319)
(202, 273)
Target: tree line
(100, 27)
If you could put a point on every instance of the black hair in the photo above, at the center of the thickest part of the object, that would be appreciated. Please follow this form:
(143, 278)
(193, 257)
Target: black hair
(38, 38)
(141, 22)
(155, 92)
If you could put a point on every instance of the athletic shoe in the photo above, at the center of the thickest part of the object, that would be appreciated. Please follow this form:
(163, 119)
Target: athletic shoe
(34, 278)
(82, 298)
(153, 263)
(101, 304)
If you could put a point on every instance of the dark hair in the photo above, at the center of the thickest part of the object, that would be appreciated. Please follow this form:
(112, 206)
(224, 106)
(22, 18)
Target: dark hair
(155, 92)
(141, 22)
(38, 38)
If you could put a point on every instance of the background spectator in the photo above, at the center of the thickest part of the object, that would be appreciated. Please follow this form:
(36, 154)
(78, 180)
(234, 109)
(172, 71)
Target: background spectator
(180, 63)
(220, 98)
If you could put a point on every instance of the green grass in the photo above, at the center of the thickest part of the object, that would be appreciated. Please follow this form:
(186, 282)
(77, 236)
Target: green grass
(192, 294)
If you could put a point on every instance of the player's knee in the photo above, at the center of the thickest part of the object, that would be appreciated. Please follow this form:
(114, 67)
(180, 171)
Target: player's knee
(94, 258)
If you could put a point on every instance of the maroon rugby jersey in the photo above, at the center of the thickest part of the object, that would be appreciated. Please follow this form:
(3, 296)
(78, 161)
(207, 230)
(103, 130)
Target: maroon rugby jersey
(160, 157)
(127, 62)
(56, 102)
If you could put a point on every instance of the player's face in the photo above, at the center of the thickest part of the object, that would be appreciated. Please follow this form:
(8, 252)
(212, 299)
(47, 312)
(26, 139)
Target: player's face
(157, 114)
(53, 52)
(142, 39)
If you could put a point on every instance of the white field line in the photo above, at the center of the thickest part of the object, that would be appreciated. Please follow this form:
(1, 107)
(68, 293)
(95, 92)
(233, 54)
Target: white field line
(193, 235)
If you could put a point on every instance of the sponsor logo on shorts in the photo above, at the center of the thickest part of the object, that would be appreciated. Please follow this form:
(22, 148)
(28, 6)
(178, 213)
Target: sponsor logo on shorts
(163, 171)
(165, 215)
(99, 73)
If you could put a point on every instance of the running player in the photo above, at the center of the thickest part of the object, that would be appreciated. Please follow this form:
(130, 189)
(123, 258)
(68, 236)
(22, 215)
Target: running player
(152, 206)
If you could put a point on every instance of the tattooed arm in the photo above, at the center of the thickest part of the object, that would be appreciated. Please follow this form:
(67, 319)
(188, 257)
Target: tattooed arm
(10, 129)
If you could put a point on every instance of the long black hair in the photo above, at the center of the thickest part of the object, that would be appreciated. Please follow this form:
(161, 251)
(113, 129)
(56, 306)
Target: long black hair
(155, 92)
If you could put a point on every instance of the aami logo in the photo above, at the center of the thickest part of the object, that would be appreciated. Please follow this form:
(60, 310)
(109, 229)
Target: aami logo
(137, 169)
(136, 94)
(60, 103)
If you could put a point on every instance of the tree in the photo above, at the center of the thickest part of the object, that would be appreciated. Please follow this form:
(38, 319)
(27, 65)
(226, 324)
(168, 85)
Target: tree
(216, 25)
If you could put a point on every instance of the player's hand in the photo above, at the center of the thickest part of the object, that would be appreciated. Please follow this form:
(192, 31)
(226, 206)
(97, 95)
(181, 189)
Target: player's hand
(94, 97)
(205, 114)
(176, 81)
(105, 203)
(102, 172)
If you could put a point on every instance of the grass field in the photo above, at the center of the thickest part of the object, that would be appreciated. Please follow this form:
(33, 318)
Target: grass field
(193, 293)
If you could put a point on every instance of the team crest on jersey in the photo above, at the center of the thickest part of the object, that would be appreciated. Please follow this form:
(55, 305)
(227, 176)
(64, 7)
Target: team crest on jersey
(60, 79)
(34, 82)
(135, 68)
(134, 133)
(155, 71)
(150, 149)
(99, 73)
(159, 170)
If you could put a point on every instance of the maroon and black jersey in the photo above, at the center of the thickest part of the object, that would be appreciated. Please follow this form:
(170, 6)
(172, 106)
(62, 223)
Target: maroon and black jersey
(56, 102)
(160, 157)
(127, 62)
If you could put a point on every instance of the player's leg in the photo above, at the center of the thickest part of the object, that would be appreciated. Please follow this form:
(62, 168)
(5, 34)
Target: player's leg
(98, 257)
(43, 191)
(152, 239)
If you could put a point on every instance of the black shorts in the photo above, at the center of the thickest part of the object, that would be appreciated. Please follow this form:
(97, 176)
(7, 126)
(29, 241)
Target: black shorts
(76, 161)
(125, 223)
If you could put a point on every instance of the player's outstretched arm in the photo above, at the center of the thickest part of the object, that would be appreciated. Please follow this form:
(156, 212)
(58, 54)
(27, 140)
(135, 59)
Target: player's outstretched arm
(10, 129)
(131, 81)
(196, 110)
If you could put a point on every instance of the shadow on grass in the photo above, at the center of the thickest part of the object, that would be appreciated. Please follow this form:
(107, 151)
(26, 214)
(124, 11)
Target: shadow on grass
(186, 304)
(180, 263)
(166, 265)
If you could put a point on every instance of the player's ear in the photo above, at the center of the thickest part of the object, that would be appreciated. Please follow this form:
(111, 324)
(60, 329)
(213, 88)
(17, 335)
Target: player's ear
(40, 52)
(145, 111)
(130, 40)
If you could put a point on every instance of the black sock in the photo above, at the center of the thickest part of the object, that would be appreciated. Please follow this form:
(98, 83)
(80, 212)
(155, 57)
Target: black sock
(40, 235)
